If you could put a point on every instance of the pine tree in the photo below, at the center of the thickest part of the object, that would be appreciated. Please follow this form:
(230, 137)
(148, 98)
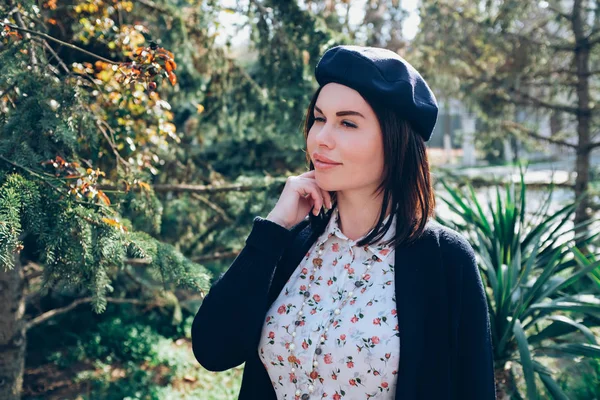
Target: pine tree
(68, 127)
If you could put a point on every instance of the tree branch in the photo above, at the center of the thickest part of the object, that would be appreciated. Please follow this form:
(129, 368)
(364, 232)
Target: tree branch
(593, 41)
(191, 188)
(566, 16)
(21, 27)
(546, 83)
(567, 46)
(112, 145)
(154, 6)
(594, 145)
(215, 256)
(55, 55)
(551, 106)
(532, 133)
(213, 207)
(53, 313)
(48, 37)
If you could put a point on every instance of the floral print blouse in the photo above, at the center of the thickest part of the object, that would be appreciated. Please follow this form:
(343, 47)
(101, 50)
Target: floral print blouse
(360, 355)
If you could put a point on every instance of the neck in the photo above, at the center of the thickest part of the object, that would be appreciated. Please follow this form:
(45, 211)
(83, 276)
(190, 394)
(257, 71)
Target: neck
(358, 213)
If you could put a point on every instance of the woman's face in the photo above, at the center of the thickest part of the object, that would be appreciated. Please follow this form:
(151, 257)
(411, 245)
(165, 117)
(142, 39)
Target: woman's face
(347, 131)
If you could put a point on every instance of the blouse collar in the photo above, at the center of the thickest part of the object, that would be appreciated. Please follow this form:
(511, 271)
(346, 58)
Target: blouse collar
(379, 249)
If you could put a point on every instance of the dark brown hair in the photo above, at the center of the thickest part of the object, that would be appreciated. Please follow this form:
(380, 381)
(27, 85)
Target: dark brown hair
(406, 178)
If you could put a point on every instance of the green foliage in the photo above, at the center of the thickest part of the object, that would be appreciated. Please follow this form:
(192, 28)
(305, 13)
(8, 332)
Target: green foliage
(530, 265)
(77, 248)
(581, 380)
(129, 354)
(52, 207)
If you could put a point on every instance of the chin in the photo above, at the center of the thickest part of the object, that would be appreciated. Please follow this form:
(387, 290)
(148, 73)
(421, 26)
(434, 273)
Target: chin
(323, 184)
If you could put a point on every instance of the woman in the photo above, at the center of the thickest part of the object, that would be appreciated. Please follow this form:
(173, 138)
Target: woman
(359, 301)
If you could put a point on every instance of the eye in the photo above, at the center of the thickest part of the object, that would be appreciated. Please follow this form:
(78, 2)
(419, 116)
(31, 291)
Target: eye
(345, 123)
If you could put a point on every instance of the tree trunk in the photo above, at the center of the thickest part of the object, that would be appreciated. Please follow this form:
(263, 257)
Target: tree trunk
(582, 60)
(12, 331)
(506, 388)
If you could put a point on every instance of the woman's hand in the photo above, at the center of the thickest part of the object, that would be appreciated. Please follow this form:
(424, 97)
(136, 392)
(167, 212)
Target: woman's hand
(300, 195)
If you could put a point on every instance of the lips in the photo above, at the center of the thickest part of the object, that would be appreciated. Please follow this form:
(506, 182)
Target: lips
(324, 160)
(328, 163)
(324, 166)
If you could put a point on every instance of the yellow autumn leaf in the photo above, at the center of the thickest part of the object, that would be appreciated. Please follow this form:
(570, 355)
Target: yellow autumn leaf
(172, 78)
(103, 197)
(144, 186)
(111, 221)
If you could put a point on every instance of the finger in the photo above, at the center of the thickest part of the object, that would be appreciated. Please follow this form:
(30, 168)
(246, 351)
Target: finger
(322, 198)
(326, 198)
(306, 193)
(317, 197)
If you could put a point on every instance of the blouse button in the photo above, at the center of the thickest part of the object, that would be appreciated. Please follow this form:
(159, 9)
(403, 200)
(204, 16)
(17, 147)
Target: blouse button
(297, 323)
(298, 392)
(292, 346)
(337, 311)
(307, 294)
(315, 364)
(350, 293)
(318, 351)
(305, 396)
(311, 388)
(358, 283)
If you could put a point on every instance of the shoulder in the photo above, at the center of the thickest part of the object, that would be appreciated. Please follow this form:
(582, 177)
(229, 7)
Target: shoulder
(453, 245)
(458, 263)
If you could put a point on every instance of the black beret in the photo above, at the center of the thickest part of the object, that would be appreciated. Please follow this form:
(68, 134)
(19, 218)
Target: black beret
(382, 74)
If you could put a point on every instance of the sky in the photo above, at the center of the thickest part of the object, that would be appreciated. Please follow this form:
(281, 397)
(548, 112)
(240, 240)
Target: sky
(229, 20)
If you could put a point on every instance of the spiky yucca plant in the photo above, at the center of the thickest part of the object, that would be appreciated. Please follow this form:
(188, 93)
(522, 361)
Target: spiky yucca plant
(542, 281)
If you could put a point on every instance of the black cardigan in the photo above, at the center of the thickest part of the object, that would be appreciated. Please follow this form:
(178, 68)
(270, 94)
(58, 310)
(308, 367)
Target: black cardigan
(446, 349)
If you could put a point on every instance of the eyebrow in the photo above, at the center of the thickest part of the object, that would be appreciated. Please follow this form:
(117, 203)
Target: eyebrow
(342, 113)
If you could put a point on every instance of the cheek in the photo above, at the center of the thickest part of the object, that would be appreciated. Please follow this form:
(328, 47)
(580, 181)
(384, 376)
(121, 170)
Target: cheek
(364, 160)
(364, 153)
(311, 144)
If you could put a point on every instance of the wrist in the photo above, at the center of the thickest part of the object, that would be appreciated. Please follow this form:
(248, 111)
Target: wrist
(277, 220)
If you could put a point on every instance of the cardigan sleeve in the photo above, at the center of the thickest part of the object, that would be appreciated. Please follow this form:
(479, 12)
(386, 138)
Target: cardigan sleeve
(234, 308)
(476, 359)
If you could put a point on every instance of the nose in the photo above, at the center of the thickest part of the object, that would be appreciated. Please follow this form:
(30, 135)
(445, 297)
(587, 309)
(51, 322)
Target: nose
(323, 135)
